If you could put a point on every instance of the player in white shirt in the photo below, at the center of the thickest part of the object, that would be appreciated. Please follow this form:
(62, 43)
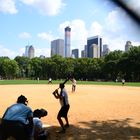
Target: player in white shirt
(63, 98)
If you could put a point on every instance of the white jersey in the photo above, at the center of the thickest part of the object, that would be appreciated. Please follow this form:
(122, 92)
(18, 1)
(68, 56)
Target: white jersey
(64, 100)
(37, 125)
(74, 82)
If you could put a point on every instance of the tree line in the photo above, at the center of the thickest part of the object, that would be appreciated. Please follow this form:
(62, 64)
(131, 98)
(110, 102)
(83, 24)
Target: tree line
(116, 64)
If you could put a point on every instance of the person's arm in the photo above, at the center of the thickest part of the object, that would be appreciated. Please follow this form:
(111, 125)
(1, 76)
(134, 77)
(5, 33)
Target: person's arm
(30, 119)
(57, 95)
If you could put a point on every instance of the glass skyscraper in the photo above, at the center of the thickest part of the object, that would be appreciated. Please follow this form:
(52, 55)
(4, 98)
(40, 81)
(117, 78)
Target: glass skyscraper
(57, 47)
(75, 53)
(67, 49)
(94, 40)
(31, 52)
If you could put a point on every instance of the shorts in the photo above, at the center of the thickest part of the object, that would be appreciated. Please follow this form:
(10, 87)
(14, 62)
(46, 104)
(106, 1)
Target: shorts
(63, 111)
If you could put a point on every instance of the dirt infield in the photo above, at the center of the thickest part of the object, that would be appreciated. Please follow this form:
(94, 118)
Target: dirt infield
(96, 112)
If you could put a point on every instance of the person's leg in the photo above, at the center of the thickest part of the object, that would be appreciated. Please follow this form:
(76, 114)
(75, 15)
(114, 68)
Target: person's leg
(67, 122)
(4, 130)
(72, 88)
(20, 132)
(60, 114)
(66, 117)
(60, 122)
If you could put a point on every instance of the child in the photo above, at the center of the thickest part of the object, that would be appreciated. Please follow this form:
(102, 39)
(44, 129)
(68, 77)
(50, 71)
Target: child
(39, 132)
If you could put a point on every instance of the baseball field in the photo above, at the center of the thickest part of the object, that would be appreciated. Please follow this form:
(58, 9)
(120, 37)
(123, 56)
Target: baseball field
(97, 112)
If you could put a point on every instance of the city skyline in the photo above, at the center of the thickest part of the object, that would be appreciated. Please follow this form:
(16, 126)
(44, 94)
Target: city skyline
(26, 22)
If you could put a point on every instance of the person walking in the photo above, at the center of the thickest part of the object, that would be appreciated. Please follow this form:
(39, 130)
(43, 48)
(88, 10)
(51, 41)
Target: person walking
(50, 81)
(73, 84)
(17, 121)
(63, 98)
(123, 82)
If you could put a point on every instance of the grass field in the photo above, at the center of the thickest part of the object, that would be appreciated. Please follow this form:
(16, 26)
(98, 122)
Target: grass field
(13, 82)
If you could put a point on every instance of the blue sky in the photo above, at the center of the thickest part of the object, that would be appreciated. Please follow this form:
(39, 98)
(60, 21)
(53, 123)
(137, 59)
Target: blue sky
(37, 22)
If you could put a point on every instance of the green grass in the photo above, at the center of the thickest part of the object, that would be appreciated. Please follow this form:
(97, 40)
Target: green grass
(110, 83)
(16, 82)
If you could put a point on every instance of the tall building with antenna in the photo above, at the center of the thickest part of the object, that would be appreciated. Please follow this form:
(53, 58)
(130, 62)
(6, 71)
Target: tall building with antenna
(26, 50)
(67, 49)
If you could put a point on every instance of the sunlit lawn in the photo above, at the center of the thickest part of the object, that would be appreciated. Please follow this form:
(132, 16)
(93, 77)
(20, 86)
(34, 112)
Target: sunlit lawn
(10, 82)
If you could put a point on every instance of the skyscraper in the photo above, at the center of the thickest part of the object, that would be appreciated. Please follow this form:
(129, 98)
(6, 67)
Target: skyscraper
(31, 52)
(105, 50)
(94, 40)
(85, 48)
(26, 50)
(83, 54)
(67, 41)
(94, 51)
(57, 47)
(75, 53)
(128, 45)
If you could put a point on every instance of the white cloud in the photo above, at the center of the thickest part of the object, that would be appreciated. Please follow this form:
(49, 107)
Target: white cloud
(24, 35)
(28, 2)
(115, 43)
(135, 43)
(119, 28)
(46, 7)
(95, 29)
(42, 51)
(6, 52)
(115, 20)
(45, 36)
(8, 6)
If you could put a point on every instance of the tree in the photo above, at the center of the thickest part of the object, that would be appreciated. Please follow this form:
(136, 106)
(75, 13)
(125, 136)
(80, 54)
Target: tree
(2, 74)
(24, 67)
(36, 67)
(10, 68)
(111, 64)
(129, 64)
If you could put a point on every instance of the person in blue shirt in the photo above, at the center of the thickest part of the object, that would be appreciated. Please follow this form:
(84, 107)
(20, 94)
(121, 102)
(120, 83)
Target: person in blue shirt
(17, 121)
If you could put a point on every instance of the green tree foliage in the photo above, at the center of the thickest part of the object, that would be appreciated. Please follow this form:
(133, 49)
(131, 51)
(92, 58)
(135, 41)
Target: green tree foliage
(117, 64)
(129, 64)
(24, 67)
(110, 68)
(36, 67)
(1, 65)
(10, 68)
